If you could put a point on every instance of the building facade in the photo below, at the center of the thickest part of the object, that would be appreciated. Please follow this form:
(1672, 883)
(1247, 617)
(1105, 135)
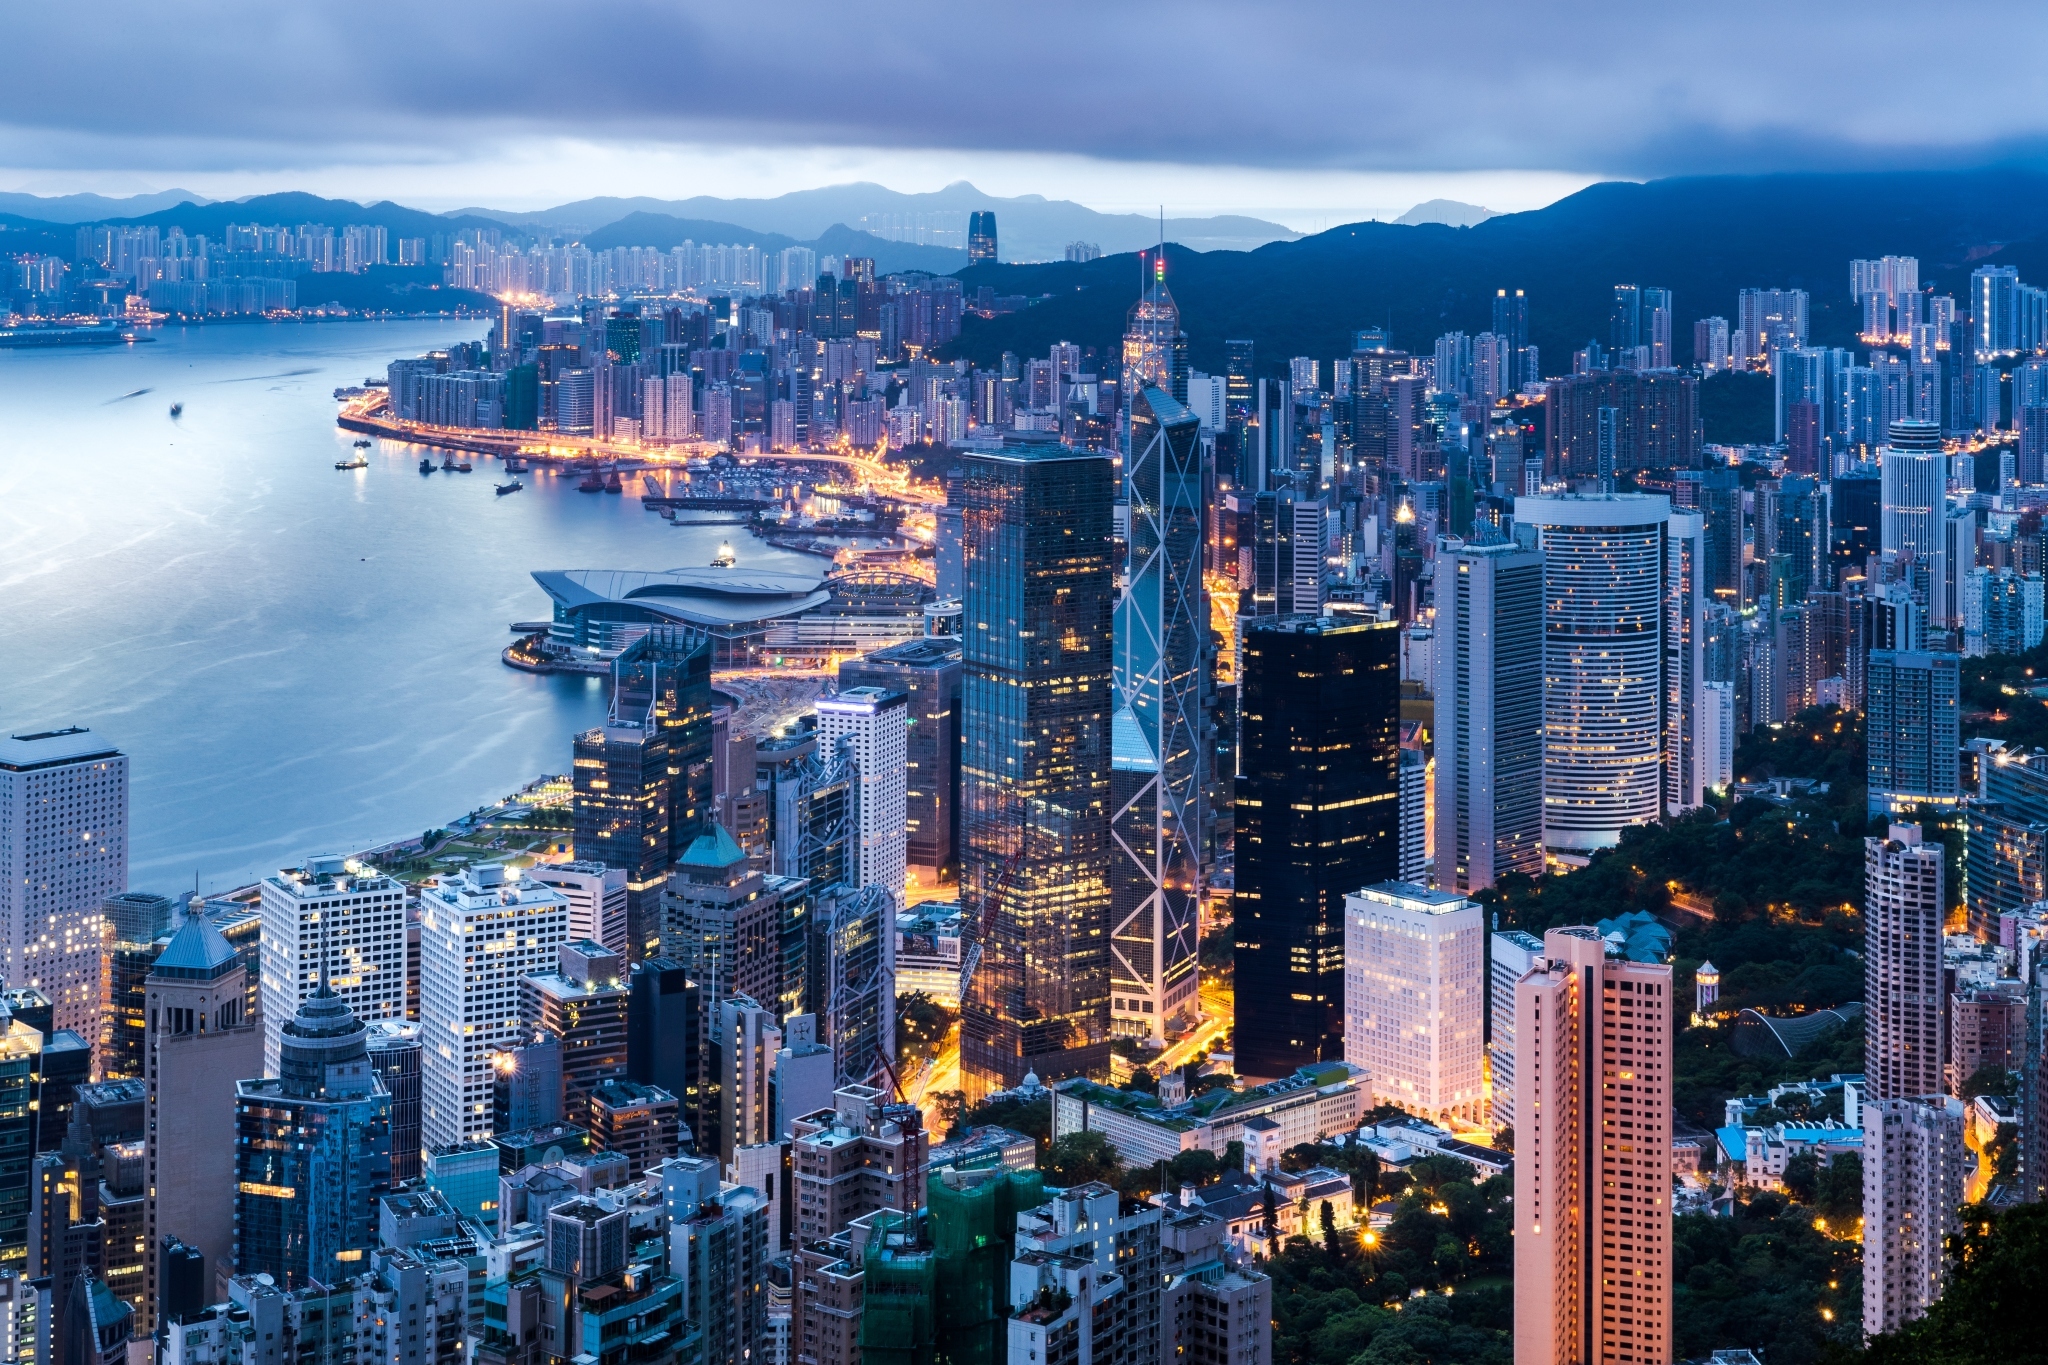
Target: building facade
(1915, 1167)
(873, 725)
(336, 922)
(1905, 1024)
(1414, 998)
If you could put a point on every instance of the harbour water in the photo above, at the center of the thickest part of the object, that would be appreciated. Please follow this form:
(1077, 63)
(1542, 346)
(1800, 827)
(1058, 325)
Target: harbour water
(296, 659)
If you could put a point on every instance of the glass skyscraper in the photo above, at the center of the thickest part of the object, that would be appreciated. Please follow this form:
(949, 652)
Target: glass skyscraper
(1318, 816)
(1036, 696)
(1158, 732)
(312, 1151)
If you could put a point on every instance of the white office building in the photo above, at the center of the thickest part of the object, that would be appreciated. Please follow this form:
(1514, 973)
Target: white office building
(1604, 702)
(338, 917)
(1415, 996)
(1514, 953)
(63, 851)
(1914, 1167)
(597, 901)
(874, 724)
(480, 931)
(1913, 493)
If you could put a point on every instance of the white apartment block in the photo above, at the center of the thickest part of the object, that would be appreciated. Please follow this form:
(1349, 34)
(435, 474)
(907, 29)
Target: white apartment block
(875, 725)
(1914, 1168)
(340, 917)
(480, 931)
(63, 851)
(1414, 997)
(597, 901)
(1514, 953)
(1904, 1017)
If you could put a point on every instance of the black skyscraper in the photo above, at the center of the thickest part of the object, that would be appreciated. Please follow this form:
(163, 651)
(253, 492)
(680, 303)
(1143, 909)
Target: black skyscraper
(981, 237)
(1318, 816)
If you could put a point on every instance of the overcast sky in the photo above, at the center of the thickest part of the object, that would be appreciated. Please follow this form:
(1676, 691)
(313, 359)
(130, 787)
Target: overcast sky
(1312, 113)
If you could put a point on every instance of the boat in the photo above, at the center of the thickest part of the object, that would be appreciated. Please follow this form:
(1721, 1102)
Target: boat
(612, 484)
(426, 465)
(725, 558)
(352, 462)
(464, 468)
(512, 487)
(593, 482)
(514, 465)
(362, 443)
(448, 464)
(177, 409)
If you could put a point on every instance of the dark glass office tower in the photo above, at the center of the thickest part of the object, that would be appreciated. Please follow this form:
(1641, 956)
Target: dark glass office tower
(1159, 731)
(981, 237)
(1318, 816)
(1036, 540)
(665, 677)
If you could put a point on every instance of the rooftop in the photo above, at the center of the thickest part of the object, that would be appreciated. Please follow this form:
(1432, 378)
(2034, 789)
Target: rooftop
(697, 597)
(29, 750)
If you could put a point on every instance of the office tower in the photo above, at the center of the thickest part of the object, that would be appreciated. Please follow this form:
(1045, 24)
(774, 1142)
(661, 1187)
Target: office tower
(312, 1151)
(1911, 729)
(1035, 761)
(1318, 811)
(722, 921)
(335, 922)
(1510, 955)
(1721, 506)
(481, 929)
(622, 811)
(583, 1003)
(200, 1039)
(1994, 309)
(1489, 715)
(395, 1053)
(67, 1236)
(981, 237)
(814, 821)
(1914, 475)
(1155, 348)
(1592, 1215)
(1511, 322)
(21, 1047)
(1287, 553)
(1415, 794)
(526, 1086)
(1604, 584)
(1159, 735)
(1854, 525)
(642, 1123)
(63, 851)
(1414, 1005)
(1905, 1017)
(853, 959)
(873, 726)
(662, 683)
(1685, 604)
(1065, 1298)
(665, 1034)
(927, 671)
(1625, 322)
(859, 1156)
(1915, 1169)
(138, 924)
(597, 901)
(1658, 315)
(745, 1040)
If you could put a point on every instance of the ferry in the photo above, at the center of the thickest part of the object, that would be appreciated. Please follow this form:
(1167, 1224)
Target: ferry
(177, 410)
(512, 487)
(362, 443)
(725, 558)
(426, 465)
(353, 462)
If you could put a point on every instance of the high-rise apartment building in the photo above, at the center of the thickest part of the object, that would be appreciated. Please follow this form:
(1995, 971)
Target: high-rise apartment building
(1317, 804)
(862, 1155)
(1593, 1113)
(1685, 605)
(1605, 579)
(1911, 726)
(583, 1004)
(1489, 715)
(873, 726)
(597, 901)
(1904, 1016)
(337, 922)
(1510, 954)
(312, 1151)
(1035, 763)
(1159, 731)
(1658, 315)
(63, 851)
(1414, 998)
(1915, 1169)
(927, 671)
(200, 1040)
(481, 930)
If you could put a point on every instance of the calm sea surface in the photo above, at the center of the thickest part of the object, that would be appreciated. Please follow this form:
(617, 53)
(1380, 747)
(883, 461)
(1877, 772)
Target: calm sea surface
(296, 659)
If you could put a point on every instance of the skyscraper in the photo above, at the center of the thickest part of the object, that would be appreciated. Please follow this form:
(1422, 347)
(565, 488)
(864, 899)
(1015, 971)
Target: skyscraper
(927, 671)
(138, 926)
(583, 1004)
(480, 931)
(199, 1041)
(1155, 348)
(1625, 324)
(1414, 998)
(1510, 954)
(63, 851)
(1914, 477)
(1318, 816)
(1604, 584)
(1911, 728)
(1658, 315)
(597, 901)
(312, 1151)
(1915, 1169)
(1685, 604)
(1159, 730)
(622, 811)
(1592, 1156)
(873, 725)
(1035, 765)
(854, 957)
(981, 237)
(1511, 321)
(1905, 1017)
(1489, 715)
(334, 923)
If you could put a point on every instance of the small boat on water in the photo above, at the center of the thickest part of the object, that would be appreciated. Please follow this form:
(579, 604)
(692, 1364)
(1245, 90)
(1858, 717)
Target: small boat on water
(426, 465)
(512, 487)
(448, 464)
(362, 443)
(514, 465)
(725, 558)
(464, 468)
(612, 484)
(353, 462)
(177, 409)
(593, 482)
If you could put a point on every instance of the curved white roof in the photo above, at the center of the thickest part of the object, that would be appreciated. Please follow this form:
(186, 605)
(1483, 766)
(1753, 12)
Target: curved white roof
(698, 597)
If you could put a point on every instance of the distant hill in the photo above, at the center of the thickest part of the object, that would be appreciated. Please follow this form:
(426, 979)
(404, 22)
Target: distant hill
(293, 208)
(1028, 227)
(93, 208)
(1704, 238)
(665, 231)
(1449, 212)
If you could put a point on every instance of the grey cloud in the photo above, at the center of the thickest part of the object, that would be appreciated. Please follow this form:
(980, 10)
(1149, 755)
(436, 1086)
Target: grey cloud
(1602, 88)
